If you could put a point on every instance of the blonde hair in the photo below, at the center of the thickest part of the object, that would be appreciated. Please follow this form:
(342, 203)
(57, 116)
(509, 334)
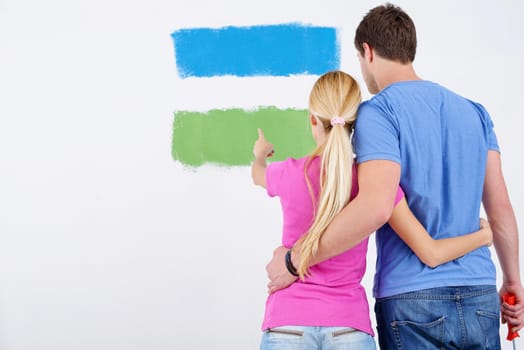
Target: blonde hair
(335, 94)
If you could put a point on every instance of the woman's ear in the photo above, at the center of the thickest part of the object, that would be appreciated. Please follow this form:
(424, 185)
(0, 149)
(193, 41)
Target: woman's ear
(313, 120)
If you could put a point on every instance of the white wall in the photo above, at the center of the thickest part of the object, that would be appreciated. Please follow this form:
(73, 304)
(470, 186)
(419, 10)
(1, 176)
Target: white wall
(105, 241)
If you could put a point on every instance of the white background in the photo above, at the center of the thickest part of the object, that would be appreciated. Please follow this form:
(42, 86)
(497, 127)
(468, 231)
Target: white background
(105, 241)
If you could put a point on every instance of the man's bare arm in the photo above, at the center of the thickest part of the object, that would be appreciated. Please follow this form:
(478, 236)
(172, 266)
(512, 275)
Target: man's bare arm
(378, 183)
(505, 237)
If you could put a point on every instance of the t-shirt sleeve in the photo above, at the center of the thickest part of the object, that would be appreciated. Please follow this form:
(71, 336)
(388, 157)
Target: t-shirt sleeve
(376, 134)
(488, 125)
(493, 143)
(399, 196)
(354, 187)
(274, 174)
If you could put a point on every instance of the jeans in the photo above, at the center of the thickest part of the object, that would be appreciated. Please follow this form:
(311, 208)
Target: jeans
(316, 338)
(440, 318)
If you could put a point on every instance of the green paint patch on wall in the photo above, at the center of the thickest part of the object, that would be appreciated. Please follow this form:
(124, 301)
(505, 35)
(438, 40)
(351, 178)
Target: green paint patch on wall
(226, 137)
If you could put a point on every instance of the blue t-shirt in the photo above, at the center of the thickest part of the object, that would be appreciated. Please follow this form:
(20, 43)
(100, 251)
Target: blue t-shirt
(441, 141)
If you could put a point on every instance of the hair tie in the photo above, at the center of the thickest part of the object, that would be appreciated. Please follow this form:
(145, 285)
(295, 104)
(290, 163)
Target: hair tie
(337, 120)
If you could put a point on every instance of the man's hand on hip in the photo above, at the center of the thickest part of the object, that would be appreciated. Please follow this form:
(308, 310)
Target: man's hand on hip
(279, 276)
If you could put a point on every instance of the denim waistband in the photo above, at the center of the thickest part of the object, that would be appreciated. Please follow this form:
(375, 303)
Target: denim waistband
(445, 293)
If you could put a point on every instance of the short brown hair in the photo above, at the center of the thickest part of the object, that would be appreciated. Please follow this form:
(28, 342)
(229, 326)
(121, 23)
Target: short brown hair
(390, 32)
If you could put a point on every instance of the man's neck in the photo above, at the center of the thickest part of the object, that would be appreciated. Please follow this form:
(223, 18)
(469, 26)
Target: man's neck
(389, 72)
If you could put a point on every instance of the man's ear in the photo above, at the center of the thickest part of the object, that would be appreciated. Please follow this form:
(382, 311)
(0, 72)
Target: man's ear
(368, 52)
(313, 120)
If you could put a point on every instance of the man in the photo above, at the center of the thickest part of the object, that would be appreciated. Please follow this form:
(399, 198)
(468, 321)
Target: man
(442, 150)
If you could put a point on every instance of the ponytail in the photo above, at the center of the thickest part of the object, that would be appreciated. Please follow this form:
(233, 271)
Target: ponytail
(340, 92)
(335, 188)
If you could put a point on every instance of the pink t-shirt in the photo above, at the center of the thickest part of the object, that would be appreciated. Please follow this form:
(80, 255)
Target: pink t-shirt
(332, 296)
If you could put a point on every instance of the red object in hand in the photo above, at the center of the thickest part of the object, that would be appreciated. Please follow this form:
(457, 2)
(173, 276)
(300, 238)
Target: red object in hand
(510, 299)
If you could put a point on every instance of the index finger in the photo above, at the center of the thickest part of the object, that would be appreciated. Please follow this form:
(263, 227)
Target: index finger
(260, 134)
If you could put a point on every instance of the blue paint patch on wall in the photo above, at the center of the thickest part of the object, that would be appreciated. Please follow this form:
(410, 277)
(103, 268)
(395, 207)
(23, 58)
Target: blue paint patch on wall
(266, 50)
